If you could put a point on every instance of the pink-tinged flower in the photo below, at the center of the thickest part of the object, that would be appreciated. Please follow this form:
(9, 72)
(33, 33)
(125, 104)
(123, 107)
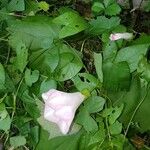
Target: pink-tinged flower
(60, 107)
(117, 36)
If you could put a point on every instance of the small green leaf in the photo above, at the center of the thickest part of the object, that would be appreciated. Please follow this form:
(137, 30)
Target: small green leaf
(31, 78)
(115, 114)
(94, 104)
(69, 64)
(98, 66)
(115, 128)
(113, 9)
(43, 5)
(84, 119)
(97, 7)
(17, 141)
(89, 82)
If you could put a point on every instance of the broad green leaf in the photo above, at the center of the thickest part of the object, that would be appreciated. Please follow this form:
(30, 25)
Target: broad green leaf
(113, 9)
(143, 113)
(16, 5)
(98, 66)
(116, 76)
(31, 77)
(22, 57)
(131, 100)
(2, 77)
(115, 128)
(84, 119)
(131, 55)
(70, 142)
(35, 32)
(46, 85)
(102, 24)
(94, 104)
(71, 23)
(43, 5)
(17, 141)
(89, 82)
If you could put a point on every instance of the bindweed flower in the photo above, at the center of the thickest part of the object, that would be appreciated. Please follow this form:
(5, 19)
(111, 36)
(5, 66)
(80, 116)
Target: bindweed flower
(117, 36)
(60, 107)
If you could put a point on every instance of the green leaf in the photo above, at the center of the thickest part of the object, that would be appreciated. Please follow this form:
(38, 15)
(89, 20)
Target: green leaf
(43, 5)
(71, 23)
(131, 55)
(115, 114)
(110, 51)
(89, 82)
(108, 2)
(2, 77)
(69, 64)
(35, 32)
(3, 112)
(47, 85)
(143, 39)
(144, 69)
(17, 141)
(99, 136)
(22, 57)
(31, 78)
(94, 104)
(16, 5)
(97, 7)
(131, 100)
(70, 142)
(35, 134)
(98, 66)
(115, 128)
(113, 9)
(102, 24)
(116, 76)
(5, 124)
(84, 119)
(48, 59)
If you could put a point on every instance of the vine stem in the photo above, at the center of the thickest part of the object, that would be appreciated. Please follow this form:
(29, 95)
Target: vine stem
(136, 109)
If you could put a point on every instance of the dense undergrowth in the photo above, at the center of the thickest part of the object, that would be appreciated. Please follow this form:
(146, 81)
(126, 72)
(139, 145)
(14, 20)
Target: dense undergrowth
(66, 45)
